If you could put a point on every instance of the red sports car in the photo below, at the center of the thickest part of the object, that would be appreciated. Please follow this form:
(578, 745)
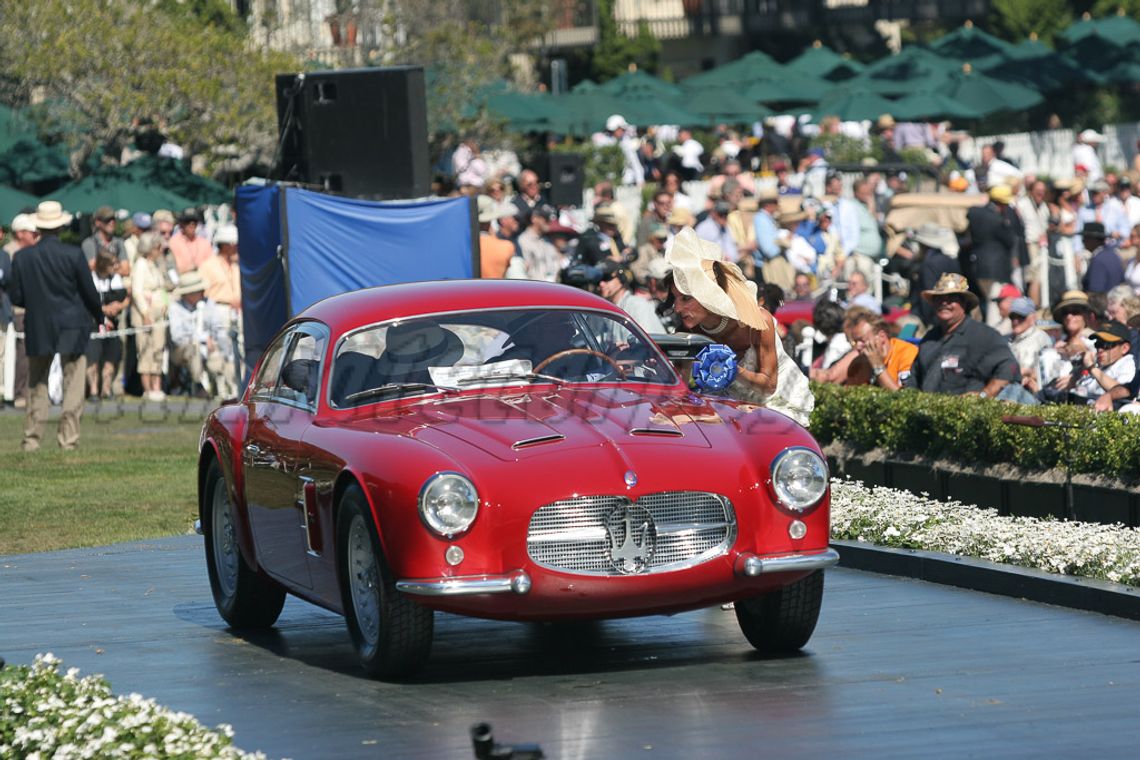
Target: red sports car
(503, 449)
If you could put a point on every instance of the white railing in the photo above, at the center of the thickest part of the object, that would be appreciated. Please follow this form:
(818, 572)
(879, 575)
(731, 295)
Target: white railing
(1050, 153)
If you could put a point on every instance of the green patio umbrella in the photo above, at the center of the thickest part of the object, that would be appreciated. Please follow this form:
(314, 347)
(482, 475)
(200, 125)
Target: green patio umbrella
(115, 186)
(899, 74)
(785, 87)
(722, 106)
(931, 106)
(851, 105)
(586, 85)
(744, 69)
(12, 202)
(176, 177)
(1119, 29)
(14, 127)
(526, 112)
(824, 63)
(29, 161)
(638, 82)
(985, 94)
(1039, 67)
(968, 43)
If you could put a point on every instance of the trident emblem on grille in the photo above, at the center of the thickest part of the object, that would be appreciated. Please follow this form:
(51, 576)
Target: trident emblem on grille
(632, 538)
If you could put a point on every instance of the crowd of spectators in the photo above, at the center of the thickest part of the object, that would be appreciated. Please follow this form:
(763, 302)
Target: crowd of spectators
(1035, 299)
(170, 292)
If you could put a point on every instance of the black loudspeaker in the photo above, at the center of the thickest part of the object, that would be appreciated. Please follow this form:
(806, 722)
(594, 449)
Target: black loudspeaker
(357, 132)
(564, 179)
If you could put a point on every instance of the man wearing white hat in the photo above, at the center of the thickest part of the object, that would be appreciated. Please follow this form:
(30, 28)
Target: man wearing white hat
(1084, 153)
(52, 281)
(199, 339)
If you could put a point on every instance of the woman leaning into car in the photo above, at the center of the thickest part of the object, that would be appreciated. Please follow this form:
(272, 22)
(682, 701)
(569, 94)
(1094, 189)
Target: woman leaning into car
(713, 298)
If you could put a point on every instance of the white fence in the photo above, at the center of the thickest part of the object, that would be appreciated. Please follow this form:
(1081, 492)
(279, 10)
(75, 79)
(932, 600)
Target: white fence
(1050, 153)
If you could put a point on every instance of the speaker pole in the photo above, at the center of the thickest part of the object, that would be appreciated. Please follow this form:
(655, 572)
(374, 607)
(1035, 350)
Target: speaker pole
(283, 250)
(476, 255)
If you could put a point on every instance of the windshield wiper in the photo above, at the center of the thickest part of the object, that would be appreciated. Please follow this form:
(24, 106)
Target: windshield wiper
(382, 390)
(532, 376)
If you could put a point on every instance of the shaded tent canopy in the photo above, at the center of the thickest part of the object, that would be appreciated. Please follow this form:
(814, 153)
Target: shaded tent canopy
(785, 87)
(12, 202)
(175, 177)
(586, 85)
(1036, 66)
(722, 105)
(527, 112)
(823, 62)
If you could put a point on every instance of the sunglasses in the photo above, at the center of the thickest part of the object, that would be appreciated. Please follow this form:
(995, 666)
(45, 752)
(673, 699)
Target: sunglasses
(1072, 313)
(1104, 345)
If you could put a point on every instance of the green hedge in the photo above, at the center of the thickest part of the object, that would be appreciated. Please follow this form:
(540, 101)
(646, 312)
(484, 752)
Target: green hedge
(969, 430)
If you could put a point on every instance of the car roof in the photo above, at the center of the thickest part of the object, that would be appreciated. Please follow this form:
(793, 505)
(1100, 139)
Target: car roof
(350, 310)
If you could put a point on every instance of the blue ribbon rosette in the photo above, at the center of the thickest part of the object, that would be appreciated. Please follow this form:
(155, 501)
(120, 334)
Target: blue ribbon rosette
(714, 368)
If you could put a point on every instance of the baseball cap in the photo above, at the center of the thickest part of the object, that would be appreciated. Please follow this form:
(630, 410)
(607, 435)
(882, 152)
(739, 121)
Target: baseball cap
(1113, 332)
(1022, 307)
(142, 220)
(24, 223)
(104, 214)
(1009, 291)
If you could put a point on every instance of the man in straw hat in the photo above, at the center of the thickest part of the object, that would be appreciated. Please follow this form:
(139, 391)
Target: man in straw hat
(52, 281)
(993, 243)
(961, 355)
(199, 338)
(713, 298)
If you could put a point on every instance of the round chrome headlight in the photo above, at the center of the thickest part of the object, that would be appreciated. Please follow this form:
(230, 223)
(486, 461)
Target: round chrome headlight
(448, 503)
(799, 478)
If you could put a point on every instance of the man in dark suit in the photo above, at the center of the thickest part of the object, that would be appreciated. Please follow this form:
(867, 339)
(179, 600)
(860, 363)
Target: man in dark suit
(1106, 268)
(993, 243)
(52, 281)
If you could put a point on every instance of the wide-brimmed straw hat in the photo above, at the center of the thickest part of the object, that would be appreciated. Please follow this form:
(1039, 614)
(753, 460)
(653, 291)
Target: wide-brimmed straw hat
(413, 346)
(51, 216)
(1072, 299)
(691, 259)
(190, 282)
(951, 284)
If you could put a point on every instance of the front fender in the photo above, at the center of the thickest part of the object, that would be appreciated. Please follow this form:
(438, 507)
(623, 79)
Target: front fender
(222, 434)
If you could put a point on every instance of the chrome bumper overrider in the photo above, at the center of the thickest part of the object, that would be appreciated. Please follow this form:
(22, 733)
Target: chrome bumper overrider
(750, 565)
(513, 583)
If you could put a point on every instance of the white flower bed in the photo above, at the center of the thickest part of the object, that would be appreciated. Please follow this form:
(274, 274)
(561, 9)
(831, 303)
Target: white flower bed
(900, 519)
(44, 714)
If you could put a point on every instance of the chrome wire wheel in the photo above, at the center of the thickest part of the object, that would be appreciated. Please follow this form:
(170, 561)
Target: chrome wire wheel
(364, 581)
(224, 540)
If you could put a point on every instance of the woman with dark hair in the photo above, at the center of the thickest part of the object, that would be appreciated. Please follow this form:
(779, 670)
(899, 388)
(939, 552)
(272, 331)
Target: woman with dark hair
(105, 352)
(712, 297)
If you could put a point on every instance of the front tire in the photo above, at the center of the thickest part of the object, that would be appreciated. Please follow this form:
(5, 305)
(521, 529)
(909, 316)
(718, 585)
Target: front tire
(782, 621)
(391, 634)
(244, 598)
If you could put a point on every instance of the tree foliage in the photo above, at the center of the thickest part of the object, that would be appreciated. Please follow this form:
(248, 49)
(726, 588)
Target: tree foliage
(1015, 20)
(101, 69)
(615, 51)
(1108, 7)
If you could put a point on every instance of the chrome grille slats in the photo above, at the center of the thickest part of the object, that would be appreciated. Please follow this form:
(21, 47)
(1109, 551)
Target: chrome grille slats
(691, 527)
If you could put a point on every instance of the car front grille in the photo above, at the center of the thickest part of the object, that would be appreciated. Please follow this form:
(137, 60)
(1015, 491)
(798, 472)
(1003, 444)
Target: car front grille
(666, 531)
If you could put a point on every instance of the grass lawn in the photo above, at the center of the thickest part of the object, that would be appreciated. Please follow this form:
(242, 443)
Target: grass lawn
(132, 478)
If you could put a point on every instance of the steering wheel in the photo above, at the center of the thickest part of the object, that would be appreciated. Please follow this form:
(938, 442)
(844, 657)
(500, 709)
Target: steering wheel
(578, 352)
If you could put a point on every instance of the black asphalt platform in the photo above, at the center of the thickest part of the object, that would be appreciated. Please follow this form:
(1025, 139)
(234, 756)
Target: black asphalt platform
(897, 668)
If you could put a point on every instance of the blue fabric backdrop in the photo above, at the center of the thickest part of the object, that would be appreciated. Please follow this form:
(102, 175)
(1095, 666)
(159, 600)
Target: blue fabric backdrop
(334, 245)
(338, 244)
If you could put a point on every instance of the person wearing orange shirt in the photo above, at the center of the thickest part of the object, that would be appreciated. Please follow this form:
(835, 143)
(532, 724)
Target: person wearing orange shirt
(221, 272)
(190, 249)
(495, 254)
(890, 358)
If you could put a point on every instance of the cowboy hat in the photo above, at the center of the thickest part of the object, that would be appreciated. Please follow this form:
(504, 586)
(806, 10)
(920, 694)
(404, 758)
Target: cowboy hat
(417, 345)
(951, 284)
(190, 282)
(605, 214)
(1071, 299)
(51, 216)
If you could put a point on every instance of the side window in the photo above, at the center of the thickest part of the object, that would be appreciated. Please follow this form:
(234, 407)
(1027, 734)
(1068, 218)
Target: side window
(301, 372)
(266, 379)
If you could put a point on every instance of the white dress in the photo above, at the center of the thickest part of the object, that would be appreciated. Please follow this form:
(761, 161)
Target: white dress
(793, 396)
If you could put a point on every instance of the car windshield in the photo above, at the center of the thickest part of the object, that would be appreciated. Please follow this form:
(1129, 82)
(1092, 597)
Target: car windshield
(492, 348)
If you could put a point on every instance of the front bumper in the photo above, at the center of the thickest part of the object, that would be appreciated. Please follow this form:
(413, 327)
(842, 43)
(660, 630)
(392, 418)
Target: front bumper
(745, 565)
